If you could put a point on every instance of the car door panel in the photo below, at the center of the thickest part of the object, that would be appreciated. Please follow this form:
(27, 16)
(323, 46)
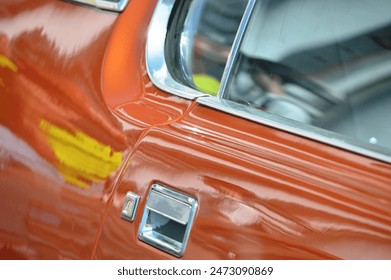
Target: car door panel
(262, 193)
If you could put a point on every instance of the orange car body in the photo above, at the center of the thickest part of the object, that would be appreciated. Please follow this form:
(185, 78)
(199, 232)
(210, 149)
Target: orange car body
(82, 124)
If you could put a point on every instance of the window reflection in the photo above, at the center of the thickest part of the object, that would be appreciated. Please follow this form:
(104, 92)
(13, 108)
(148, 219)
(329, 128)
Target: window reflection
(325, 63)
(216, 32)
(205, 40)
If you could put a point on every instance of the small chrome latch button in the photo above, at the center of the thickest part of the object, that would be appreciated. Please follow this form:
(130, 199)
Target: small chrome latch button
(167, 220)
(130, 206)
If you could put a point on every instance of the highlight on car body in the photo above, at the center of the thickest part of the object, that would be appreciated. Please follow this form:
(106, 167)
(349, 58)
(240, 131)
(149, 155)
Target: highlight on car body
(113, 5)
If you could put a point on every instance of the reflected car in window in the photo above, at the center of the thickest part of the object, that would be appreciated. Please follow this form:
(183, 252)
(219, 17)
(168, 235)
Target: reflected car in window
(203, 129)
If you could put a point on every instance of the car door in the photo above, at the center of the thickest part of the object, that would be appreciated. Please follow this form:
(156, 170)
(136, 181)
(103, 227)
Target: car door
(236, 179)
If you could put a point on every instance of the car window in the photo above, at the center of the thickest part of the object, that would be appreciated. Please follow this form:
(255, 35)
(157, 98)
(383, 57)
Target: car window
(323, 63)
(199, 40)
(319, 69)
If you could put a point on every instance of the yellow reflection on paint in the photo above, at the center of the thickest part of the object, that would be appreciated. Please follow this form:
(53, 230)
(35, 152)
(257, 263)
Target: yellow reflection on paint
(83, 160)
(7, 63)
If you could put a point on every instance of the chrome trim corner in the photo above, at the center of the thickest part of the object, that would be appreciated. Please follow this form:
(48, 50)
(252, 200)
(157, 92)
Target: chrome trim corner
(155, 59)
(116, 6)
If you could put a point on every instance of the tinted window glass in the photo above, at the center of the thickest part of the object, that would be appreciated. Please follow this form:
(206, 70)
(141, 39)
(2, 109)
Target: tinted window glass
(322, 62)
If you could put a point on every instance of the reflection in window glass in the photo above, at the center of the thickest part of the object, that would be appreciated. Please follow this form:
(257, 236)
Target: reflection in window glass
(216, 32)
(204, 38)
(322, 62)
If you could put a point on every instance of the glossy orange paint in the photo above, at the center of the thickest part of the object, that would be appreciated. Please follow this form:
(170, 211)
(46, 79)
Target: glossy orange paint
(50, 206)
(58, 49)
(262, 193)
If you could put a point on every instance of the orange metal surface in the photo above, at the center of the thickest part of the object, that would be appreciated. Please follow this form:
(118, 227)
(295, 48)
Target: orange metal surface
(81, 124)
(262, 194)
(51, 207)
(61, 147)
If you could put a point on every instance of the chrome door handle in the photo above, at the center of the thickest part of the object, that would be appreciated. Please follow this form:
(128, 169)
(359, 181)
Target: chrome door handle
(167, 220)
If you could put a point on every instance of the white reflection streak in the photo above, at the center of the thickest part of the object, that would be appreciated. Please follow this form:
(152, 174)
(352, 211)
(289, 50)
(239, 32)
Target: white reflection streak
(15, 148)
(69, 30)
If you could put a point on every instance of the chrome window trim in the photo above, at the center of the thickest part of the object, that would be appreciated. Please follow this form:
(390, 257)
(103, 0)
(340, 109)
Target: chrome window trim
(301, 129)
(105, 5)
(235, 48)
(157, 69)
(186, 42)
(155, 59)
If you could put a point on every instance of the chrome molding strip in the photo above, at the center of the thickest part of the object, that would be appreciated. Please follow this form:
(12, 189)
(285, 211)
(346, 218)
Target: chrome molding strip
(155, 59)
(111, 5)
(291, 126)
